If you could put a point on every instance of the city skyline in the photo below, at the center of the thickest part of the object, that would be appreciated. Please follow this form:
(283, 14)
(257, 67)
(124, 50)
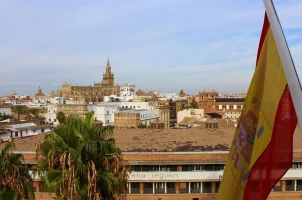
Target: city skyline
(160, 45)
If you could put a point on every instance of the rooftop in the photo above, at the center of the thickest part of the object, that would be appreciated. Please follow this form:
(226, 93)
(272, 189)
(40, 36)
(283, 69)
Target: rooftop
(168, 140)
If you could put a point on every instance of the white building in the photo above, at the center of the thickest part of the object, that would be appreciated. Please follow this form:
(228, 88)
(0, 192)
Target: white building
(171, 95)
(51, 115)
(105, 111)
(22, 129)
(5, 110)
(146, 116)
(114, 98)
(127, 90)
(198, 113)
(231, 114)
(139, 105)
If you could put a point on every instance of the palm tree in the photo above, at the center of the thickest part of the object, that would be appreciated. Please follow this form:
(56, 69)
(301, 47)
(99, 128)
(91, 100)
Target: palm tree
(19, 109)
(81, 161)
(15, 180)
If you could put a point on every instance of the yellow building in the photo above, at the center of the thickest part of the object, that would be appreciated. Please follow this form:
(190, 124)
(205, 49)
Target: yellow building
(92, 93)
(163, 112)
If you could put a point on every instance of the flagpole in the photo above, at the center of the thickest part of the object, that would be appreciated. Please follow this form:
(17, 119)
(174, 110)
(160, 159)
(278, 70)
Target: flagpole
(286, 59)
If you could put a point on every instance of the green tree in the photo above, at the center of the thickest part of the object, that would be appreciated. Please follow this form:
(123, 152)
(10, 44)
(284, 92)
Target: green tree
(19, 109)
(15, 180)
(61, 117)
(80, 161)
(34, 111)
(194, 104)
(4, 116)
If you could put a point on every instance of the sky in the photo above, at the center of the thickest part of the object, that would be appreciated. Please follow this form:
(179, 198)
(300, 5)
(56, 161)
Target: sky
(161, 45)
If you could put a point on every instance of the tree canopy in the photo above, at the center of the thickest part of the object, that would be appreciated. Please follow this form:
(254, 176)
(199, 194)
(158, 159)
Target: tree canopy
(15, 180)
(61, 117)
(80, 161)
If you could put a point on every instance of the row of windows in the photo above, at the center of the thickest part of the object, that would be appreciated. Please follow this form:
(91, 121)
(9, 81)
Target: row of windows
(198, 167)
(53, 120)
(16, 133)
(230, 107)
(127, 106)
(153, 168)
(171, 188)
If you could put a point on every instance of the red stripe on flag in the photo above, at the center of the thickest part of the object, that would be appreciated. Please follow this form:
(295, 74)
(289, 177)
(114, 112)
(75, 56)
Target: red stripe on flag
(265, 28)
(277, 157)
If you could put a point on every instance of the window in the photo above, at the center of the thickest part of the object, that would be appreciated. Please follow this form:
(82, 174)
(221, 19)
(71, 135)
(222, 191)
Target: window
(217, 186)
(107, 112)
(159, 188)
(134, 188)
(183, 187)
(49, 120)
(42, 130)
(171, 189)
(277, 187)
(206, 188)
(148, 188)
(54, 120)
(136, 168)
(16, 134)
(299, 185)
(195, 187)
(290, 185)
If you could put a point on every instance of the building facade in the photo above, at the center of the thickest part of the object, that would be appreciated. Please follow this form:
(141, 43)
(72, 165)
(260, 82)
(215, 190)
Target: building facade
(196, 113)
(194, 176)
(127, 90)
(163, 112)
(126, 120)
(68, 109)
(92, 93)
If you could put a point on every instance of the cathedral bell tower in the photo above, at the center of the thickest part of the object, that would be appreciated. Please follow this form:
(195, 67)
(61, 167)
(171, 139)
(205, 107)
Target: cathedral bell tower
(108, 77)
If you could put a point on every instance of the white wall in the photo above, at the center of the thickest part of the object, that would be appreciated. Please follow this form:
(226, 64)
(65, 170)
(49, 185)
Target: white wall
(199, 113)
(51, 115)
(137, 105)
(231, 115)
(125, 90)
(146, 116)
(104, 112)
(17, 134)
(7, 111)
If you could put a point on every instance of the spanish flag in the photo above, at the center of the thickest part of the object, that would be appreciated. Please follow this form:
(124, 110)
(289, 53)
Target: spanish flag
(262, 148)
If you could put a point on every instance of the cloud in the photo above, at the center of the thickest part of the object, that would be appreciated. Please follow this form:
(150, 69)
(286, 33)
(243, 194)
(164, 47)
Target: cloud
(163, 45)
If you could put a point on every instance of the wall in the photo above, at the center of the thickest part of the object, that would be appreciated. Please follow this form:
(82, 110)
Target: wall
(104, 112)
(4, 110)
(164, 115)
(199, 113)
(73, 109)
(126, 120)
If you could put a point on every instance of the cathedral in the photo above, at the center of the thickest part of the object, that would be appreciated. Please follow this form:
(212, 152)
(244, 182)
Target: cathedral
(92, 93)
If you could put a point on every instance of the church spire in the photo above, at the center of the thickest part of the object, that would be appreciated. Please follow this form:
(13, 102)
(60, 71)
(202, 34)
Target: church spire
(108, 67)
